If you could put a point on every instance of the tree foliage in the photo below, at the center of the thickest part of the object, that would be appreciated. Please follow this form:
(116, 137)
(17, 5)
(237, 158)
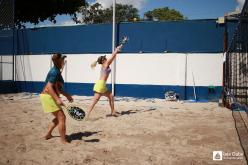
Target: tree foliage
(96, 14)
(162, 14)
(39, 10)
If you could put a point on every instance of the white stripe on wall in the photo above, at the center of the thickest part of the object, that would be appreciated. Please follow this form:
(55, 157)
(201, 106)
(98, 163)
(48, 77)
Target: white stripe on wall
(6, 67)
(148, 69)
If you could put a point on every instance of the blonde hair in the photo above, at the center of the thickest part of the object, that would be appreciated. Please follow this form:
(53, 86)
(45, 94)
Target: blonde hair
(99, 61)
(93, 65)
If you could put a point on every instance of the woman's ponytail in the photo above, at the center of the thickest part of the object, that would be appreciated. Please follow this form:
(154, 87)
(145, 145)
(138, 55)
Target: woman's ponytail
(93, 65)
(100, 60)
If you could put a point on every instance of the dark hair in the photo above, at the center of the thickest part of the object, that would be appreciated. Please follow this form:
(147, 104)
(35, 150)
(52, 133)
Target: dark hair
(101, 59)
(56, 59)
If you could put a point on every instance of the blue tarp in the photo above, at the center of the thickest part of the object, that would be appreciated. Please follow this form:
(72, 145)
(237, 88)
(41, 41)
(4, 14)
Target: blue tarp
(189, 36)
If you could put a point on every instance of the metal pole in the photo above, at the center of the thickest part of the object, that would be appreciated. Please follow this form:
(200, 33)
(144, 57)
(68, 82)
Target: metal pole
(1, 68)
(185, 76)
(113, 49)
(14, 62)
(194, 85)
(225, 48)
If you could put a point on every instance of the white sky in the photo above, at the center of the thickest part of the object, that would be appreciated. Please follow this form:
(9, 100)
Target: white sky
(240, 4)
(139, 4)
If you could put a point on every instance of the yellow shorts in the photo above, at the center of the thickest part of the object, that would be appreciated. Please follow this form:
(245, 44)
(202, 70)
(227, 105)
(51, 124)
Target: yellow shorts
(100, 86)
(48, 103)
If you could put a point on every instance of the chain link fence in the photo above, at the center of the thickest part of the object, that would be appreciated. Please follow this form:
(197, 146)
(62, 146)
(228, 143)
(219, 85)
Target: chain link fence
(236, 64)
(7, 31)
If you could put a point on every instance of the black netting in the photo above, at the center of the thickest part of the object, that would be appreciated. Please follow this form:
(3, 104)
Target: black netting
(6, 14)
(236, 65)
(7, 28)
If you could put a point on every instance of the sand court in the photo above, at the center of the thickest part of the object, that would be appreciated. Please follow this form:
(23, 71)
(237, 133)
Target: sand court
(148, 131)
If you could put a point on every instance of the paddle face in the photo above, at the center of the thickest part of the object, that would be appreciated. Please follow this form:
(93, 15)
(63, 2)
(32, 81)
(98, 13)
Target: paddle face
(76, 112)
(124, 40)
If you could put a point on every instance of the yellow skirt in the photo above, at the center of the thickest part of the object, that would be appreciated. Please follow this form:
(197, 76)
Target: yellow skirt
(100, 86)
(48, 103)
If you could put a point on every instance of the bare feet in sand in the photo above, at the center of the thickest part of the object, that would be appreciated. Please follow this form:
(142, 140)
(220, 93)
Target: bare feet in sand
(115, 114)
(65, 141)
(49, 136)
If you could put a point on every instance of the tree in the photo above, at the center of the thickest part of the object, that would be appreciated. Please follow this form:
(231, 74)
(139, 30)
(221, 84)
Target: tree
(162, 14)
(92, 14)
(40, 10)
(96, 14)
(124, 13)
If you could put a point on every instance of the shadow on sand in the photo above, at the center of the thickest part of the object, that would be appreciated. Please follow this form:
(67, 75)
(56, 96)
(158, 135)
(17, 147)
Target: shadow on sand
(80, 135)
(129, 112)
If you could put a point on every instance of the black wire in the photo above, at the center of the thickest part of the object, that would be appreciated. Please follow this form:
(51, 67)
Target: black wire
(240, 139)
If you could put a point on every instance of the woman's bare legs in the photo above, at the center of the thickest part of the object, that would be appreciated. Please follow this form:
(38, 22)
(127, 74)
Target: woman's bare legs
(109, 95)
(51, 128)
(59, 121)
(96, 98)
(62, 127)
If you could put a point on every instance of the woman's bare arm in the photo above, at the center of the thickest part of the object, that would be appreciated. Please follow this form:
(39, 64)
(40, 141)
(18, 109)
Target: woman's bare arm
(53, 93)
(59, 90)
(111, 59)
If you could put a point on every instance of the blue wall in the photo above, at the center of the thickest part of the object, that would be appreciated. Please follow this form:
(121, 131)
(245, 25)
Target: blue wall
(6, 42)
(153, 37)
(8, 87)
(129, 90)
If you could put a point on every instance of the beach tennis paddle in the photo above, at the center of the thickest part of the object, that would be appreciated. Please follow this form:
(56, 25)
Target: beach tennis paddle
(124, 40)
(75, 112)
